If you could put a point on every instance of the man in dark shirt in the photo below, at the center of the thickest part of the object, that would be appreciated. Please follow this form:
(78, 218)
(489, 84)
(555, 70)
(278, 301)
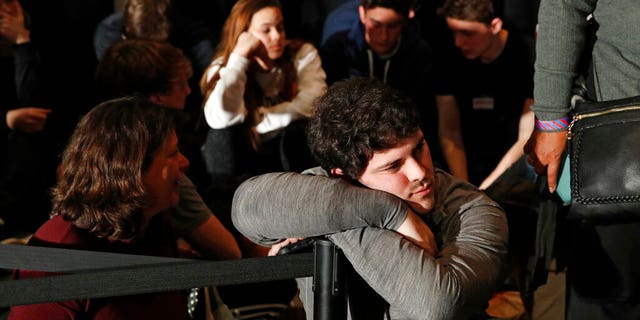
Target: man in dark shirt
(383, 44)
(483, 101)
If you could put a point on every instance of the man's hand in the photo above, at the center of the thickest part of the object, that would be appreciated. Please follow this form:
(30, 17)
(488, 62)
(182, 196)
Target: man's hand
(276, 247)
(12, 24)
(28, 120)
(545, 151)
(185, 250)
(416, 231)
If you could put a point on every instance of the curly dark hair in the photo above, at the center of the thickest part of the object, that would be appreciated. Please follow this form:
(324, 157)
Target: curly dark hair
(354, 119)
(99, 186)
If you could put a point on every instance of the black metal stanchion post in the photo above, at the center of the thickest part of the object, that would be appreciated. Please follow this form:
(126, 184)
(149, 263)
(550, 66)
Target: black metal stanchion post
(329, 285)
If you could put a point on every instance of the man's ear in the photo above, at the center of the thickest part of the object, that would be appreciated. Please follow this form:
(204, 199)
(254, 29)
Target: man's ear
(156, 98)
(362, 11)
(495, 25)
(336, 172)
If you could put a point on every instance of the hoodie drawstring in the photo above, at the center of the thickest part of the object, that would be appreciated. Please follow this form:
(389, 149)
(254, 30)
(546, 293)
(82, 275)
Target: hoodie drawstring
(387, 64)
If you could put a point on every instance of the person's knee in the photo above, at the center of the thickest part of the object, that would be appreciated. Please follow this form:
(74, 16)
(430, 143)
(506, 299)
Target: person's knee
(218, 151)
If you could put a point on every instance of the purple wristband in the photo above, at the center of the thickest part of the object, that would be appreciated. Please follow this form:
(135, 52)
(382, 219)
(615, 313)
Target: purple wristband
(553, 125)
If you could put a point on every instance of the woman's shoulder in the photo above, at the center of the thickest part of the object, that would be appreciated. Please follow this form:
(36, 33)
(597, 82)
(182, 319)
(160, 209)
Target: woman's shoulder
(58, 232)
(300, 48)
(215, 64)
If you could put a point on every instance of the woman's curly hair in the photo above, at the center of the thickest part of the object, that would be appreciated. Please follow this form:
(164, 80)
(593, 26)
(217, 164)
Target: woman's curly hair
(99, 185)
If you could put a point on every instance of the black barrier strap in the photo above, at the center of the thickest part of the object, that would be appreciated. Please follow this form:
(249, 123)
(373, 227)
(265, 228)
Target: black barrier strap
(160, 276)
(70, 260)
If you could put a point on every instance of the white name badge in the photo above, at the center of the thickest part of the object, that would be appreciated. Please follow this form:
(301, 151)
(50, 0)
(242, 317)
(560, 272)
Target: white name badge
(482, 103)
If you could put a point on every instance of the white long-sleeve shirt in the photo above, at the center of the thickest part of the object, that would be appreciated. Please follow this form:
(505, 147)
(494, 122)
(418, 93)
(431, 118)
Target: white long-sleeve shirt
(225, 105)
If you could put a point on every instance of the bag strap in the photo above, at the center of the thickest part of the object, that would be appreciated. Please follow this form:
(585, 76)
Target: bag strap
(586, 59)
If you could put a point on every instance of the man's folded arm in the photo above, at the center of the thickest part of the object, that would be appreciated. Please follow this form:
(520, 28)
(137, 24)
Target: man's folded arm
(274, 206)
(455, 283)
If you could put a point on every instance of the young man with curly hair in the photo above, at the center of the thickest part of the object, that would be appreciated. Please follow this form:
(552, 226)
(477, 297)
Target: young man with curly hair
(423, 244)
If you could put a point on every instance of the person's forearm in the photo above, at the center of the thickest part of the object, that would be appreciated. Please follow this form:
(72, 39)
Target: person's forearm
(525, 127)
(225, 107)
(417, 231)
(450, 136)
(560, 41)
(513, 154)
(275, 206)
(456, 158)
(214, 241)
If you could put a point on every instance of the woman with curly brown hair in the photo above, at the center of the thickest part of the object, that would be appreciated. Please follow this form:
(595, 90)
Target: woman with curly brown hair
(118, 176)
(257, 88)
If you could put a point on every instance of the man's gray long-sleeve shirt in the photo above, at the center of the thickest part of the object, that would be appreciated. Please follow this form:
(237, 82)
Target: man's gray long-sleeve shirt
(470, 229)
